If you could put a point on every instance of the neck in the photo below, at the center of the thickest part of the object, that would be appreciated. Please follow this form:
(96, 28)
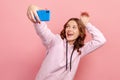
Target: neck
(71, 42)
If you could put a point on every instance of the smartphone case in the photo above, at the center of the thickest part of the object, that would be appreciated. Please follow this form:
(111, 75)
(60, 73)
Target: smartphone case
(44, 15)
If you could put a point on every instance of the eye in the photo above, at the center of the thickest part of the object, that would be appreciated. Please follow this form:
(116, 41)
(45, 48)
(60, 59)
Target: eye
(74, 27)
(67, 26)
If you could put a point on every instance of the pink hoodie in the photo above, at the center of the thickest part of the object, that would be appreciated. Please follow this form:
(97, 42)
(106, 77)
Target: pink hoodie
(54, 64)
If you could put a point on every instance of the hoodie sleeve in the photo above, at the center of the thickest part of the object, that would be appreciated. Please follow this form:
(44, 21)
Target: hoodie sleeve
(44, 33)
(97, 40)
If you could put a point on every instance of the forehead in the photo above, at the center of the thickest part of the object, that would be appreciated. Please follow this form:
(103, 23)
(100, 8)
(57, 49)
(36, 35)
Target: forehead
(72, 22)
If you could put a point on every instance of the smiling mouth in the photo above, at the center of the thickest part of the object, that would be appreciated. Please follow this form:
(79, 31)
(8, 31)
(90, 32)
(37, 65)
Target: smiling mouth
(69, 35)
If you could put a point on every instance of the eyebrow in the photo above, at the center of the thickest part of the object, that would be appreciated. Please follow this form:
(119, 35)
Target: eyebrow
(69, 25)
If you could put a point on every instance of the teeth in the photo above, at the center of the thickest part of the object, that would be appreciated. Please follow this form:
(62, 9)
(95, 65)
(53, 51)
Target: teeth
(70, 34)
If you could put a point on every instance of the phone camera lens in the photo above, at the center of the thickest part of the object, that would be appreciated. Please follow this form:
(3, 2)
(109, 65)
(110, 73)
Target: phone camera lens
(47, 11)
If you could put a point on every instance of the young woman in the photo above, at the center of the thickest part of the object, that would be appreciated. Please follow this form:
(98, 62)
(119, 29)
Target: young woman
(64, 51)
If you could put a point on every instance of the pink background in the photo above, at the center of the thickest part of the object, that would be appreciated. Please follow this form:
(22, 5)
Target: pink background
(21, 50)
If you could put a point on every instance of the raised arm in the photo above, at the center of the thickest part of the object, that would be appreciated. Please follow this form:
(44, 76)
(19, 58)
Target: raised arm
(41, 27)
(97, 37)
(44, 33)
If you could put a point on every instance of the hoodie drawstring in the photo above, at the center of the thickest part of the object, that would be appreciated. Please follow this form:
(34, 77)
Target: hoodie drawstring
(71, 60)
(67, 56)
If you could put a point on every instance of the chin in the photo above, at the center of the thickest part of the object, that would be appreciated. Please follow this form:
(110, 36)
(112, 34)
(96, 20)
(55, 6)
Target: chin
(70, 39)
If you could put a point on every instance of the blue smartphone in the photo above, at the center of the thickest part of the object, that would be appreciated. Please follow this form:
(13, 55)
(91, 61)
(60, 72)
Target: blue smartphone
(44, 15)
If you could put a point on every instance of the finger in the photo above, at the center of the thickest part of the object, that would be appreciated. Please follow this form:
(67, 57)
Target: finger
(36, 17)
(28, 15)
(32, 17)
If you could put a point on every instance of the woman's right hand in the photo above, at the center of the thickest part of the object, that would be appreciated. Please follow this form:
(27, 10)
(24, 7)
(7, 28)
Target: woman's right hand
(32, 14)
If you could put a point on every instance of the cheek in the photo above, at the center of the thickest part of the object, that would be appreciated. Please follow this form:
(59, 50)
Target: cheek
(77, 33)
(65, 32)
